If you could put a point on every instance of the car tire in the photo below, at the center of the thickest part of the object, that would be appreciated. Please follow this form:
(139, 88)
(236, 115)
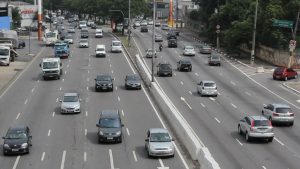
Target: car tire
(173, 155)
(274, 78)
(190, 69)
(248, 138)
(285, 78)
(120, 139)
(262, 112)
(99, 140)
(291, 123)
(270, 139)
(239, 130)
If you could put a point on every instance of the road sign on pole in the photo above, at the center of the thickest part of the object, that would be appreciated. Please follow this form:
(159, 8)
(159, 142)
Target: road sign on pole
(283, 23)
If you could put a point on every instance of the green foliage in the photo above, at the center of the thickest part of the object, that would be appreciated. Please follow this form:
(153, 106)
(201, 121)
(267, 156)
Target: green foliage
(16, 17)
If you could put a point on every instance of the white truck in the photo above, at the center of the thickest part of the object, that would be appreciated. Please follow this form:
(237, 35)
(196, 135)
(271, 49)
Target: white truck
(52, 68)
(4, 55)
(7, 44)
(50, 37)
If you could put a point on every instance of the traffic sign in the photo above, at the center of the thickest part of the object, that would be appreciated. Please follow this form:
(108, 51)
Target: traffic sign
(218, 31)
(283, 23)
(218, 26)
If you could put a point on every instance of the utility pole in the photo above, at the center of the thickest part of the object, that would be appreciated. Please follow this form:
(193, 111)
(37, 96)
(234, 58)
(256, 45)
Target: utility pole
(129, 23)
(177, 9)
(39, 20)
(218, 27)
(292, 48)
(254, 34)
(153, 41)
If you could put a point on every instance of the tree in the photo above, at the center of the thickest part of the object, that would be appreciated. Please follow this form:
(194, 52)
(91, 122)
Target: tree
(16, 17)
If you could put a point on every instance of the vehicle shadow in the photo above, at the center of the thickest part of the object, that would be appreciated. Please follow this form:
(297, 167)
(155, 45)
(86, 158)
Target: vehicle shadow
(242, 139)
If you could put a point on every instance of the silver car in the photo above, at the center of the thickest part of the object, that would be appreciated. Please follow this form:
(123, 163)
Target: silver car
(207, 88)
(149, 53)
(83, 43)
(279, 113)
(159, 143)
(256, 127)
(189, 51)
(70, 103)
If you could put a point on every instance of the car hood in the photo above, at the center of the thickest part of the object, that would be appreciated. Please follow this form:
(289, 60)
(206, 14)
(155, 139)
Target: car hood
(103, 82)
(133, 81)
(161, 145)
(110, 130)
(69, 104)
(15, 141)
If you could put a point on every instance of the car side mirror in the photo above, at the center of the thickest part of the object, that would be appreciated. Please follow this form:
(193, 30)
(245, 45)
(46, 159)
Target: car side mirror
(60, 64)
(147, 139)
(40, 65)
(122, 125)
(3, 137)
(60, 100)
(97, 125)
(173, 139)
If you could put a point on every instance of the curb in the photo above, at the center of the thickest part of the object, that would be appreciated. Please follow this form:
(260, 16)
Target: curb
(291, 88)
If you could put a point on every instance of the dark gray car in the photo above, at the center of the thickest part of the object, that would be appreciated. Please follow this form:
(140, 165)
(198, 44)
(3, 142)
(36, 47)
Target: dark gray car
(132, 82)
(104, 82)
(17, 140)
(109, 126)
(164, 69)
(214, 59)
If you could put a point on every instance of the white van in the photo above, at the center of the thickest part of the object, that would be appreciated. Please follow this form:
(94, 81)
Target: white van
(51, 68)
(100, 51)
(4, 55)
(116, 46)
(99, 33)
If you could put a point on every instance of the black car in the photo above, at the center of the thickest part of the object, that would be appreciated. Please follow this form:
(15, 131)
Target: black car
(21, 44)
(164, 69)
(93, 26)
(172, 43)
(171, 35)
(109, 126)
(184, 65)
(144, 29)
(132, 82)
(104, 82)
(17, 140)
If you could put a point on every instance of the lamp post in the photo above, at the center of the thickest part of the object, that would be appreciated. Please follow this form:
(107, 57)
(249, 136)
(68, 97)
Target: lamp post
(153, 42)
(129, 22)
(118, 10)
(254, 34)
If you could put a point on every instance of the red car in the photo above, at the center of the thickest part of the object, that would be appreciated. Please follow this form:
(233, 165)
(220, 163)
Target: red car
(284, 73)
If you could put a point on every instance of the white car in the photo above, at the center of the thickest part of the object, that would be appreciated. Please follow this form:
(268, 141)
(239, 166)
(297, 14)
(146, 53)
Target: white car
(70, 103)
(189, 51)
(116, 46)
(83, 43)
(150, 22)
(69, 39)
(144, 23)
(71, 30)
(137, 24)
(207, 88)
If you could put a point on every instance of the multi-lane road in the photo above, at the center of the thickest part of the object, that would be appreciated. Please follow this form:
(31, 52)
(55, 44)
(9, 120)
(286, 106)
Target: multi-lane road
(242, 92)
(70, 141)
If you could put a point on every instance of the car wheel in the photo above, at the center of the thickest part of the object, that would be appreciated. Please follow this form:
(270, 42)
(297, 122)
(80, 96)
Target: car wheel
(28, 151)
(291, 123)
(248, 138)
(172, 155)
(285, 78)
(239, 130)
(262, 112)
(120, 139)
(270, 139)
(190, 69)
(295, 77)
(99, 140)
(274, 78)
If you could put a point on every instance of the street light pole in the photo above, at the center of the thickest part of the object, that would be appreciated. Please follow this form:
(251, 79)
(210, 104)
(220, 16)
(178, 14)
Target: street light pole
(254, 34)
(153, 41)
(129, 23)
(177, 14)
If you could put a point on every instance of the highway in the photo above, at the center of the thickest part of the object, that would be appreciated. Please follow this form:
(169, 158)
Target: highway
(70, 141)
(241, 92)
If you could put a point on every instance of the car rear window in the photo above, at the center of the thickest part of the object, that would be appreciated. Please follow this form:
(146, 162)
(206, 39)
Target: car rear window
(279, 70)
(209, 84)
(283, 110)
(261, 123)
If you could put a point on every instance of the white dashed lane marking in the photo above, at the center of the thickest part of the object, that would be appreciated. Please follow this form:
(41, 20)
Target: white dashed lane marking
(43, 156)
(239, 141)
(49, 132)
(217, 120)
(233, 105)
(18, 116)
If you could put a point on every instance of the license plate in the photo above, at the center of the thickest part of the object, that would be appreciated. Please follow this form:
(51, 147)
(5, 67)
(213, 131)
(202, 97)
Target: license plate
(14, 150)
(109, 138)
(277, 76)
(104, 87)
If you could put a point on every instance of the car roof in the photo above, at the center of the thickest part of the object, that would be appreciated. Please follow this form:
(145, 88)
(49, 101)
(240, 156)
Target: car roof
(280, 105)
(115, 41)
(18, 127)
(71, 94)
(208, 81)
(109, 114)
(50, 59)
(258, 117)
(158, 130)
(100, 46)
(185, 61)
(188, 46)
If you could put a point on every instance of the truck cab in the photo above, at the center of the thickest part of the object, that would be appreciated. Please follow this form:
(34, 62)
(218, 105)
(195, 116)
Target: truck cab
(50, 37)
(51, 68)
(61, 50)
(4, 55)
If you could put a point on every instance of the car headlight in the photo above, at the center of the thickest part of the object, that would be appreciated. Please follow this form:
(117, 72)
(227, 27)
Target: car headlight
(24, 145)
(77, 107)
(100, 133)
(118, 132)
(6, 145)
(110, 84)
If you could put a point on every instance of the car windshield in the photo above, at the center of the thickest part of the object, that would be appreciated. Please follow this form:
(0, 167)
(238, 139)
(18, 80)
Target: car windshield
(209, 84)
(70, 99)
(4, 52)
(206, 47)
(215, 57)
(83, 41)
(165, 67)
(16, 134)
(109, 123)
(283, 110)
(261, 123)
(50, 65)
(279, 70)
(189, 48)
(160, 137)
(82, 22)
(158, 36)
(116, 43)
(133, 78)
(50, 35)
(104, 78)
(68, 37)
(100, 49)
(185, 62)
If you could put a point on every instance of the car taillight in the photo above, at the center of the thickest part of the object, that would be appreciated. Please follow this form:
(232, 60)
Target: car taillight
(252, 125)
(291, 114)
(275, 114)
(270, 123)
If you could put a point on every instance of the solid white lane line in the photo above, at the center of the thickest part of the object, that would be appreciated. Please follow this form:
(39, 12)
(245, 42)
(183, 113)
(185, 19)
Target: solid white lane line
(18, 116)
(26, 101)
(233, 105)
(63, 159)
(128, 131)
(238, 141)
(278, 141)
(43, 156)
(196, 74)
(32, 90)
(85, 132)
(181, 82)
(217, 120)
(123, 113)
(84, 157)
(16, 162)
(53, 114)
(49, 132)
(86, 113)
(202, 105)
(134, 156)
(118, 98)
(111, 159)
(190, 93)
(213, 99)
